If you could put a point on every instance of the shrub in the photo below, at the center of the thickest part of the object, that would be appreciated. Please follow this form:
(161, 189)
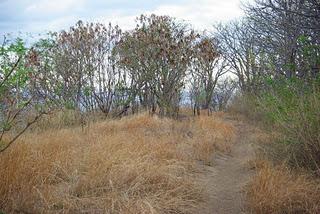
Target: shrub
(293, 107)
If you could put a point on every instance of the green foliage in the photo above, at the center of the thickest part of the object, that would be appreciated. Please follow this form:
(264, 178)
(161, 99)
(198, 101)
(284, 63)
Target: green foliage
(4, 125)
(309, 54)
(14, 78)
(201, 98)
(292, 106)
(87, 91)
(69, 105)
(16, 91)
(14, 73)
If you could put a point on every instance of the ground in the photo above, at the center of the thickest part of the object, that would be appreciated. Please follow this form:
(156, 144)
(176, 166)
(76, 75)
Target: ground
(139, 164)
(226, 179)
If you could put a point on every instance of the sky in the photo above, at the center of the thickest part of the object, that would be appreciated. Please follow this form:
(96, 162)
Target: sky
(41, 16)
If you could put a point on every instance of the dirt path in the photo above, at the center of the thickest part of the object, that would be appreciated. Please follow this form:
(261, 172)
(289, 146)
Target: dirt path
(226, 178)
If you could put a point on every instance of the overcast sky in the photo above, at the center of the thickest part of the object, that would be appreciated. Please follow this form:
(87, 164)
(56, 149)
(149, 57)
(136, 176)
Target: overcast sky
(40, 16)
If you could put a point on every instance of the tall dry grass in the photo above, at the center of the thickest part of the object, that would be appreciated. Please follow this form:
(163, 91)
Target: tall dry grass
(139, 164)
(276, 187)
(279, 190)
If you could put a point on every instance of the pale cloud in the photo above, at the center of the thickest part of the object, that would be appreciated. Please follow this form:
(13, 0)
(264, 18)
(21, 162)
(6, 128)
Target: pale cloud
(52, 7)
(203, 13)
(52, 25)
(126, 22)
(39, 16)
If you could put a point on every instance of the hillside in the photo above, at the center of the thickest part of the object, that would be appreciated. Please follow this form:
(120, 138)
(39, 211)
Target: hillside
(140, 164)
(160, 107)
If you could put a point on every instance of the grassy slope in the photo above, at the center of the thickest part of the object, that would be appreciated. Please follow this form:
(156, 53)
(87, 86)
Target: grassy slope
(134, 165)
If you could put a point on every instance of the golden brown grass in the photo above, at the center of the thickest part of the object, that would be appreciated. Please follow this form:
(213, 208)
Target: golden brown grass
(275, 188)
(279, 190)
(65, 119)
(139, 164)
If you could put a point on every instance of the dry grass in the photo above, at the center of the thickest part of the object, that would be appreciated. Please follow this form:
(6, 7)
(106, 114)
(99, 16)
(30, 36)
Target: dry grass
(208, 131)
(139, 164)
(65, 119)
(275, 188)
(279, 190)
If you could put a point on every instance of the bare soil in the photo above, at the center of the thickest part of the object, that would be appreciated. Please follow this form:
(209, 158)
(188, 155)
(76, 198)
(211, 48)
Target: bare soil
(226, 179)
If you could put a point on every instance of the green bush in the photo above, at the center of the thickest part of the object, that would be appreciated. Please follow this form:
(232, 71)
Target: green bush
(293, 106)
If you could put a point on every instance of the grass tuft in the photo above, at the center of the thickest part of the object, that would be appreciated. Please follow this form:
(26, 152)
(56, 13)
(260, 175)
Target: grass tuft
(279, 190)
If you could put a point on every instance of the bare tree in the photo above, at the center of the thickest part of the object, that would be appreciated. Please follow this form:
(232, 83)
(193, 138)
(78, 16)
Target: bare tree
(223, 94)
(157, 54)
(245, 58)
(83, 70)
(289, 34)
(208, 66)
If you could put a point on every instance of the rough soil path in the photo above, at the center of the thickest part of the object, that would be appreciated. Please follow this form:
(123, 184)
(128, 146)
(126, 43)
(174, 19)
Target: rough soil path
(226, 179)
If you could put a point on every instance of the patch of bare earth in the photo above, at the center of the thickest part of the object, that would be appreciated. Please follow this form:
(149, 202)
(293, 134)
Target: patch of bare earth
(225, 180)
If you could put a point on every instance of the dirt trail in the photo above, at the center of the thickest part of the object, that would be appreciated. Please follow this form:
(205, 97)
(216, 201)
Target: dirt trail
(226, 178)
